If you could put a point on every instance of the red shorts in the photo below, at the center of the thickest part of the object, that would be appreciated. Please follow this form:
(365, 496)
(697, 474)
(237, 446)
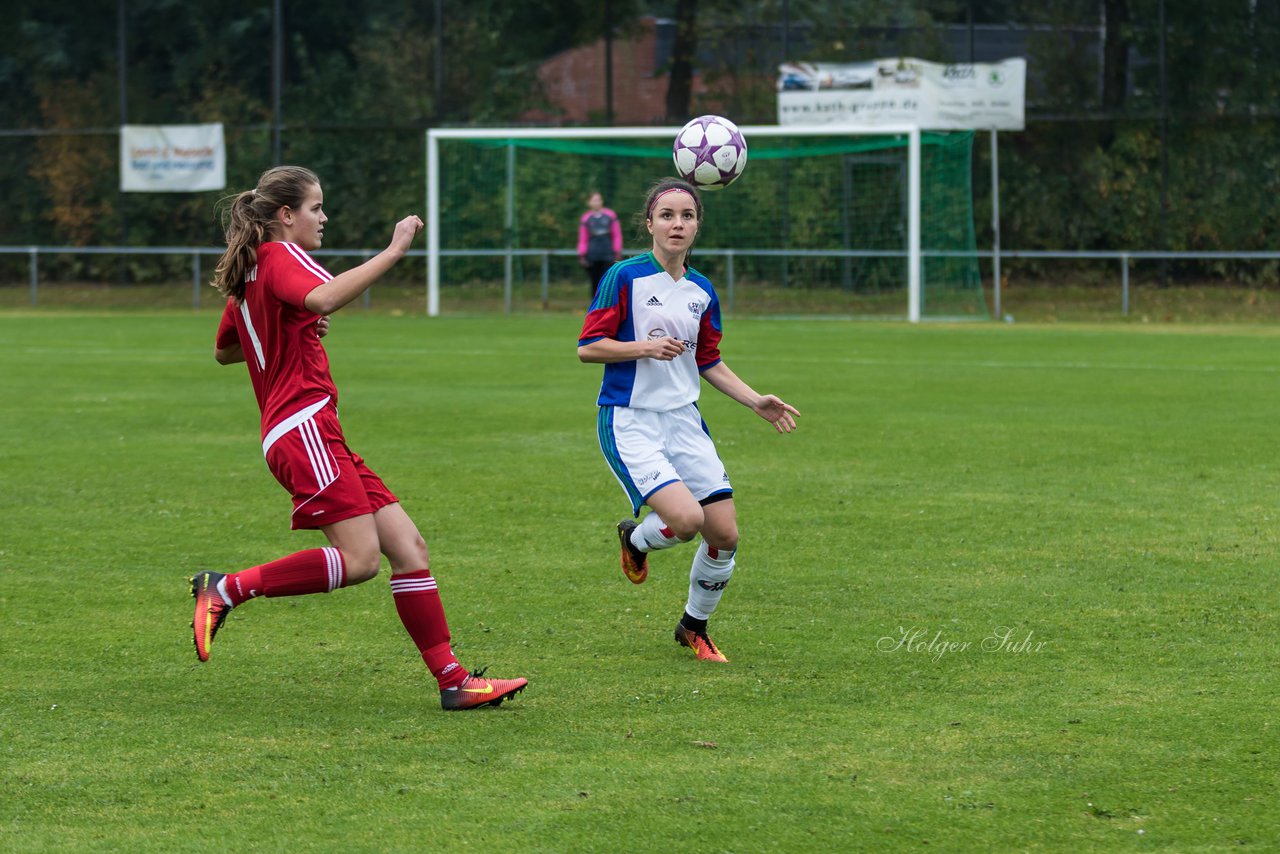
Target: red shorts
(329, 482)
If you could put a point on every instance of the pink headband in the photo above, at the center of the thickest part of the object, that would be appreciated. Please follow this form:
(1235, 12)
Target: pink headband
(649, 213)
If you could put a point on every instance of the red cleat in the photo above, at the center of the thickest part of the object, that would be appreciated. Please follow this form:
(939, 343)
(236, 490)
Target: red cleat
(477, 691)
(699, 643)
(635, 563)
(211, 611)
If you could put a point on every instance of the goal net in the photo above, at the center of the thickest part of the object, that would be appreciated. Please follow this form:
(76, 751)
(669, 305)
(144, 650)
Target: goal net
(842, 222)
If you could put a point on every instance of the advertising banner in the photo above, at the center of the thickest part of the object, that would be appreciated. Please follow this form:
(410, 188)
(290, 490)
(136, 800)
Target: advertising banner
(172, 158)
(930, 95)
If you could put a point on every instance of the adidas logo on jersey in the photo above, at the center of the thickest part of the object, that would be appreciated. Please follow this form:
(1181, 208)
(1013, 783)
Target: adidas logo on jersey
(654, 301)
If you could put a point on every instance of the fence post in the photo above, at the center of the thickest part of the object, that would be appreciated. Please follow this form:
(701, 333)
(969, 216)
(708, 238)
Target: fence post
(546, 281)
(195, 280)
(33, 266)
(365, 298)
(729, 273)
(1124, 282)
(508, 267)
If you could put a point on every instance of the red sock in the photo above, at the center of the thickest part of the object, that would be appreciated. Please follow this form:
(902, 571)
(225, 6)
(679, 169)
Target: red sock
(311, 571)
(418, 604)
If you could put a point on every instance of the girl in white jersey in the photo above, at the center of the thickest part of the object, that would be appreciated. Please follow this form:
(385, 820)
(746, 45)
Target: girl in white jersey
(655, 326)
(278, 303)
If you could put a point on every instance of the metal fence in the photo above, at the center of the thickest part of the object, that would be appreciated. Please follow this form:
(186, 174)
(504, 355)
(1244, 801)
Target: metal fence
(1124, 259)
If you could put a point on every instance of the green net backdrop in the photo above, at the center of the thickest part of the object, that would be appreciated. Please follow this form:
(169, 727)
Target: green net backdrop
(815, 225)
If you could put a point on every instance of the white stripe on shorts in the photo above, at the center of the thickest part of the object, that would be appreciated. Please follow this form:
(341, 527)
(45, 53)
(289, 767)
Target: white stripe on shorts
(322, 463)
(292, 421)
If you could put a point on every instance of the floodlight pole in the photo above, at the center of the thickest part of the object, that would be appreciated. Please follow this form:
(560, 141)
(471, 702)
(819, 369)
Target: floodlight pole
(122, 75)
(1162, 58)
(122, 60)
(995, 223)
(277, 78)
(433, 225)
(913, 226)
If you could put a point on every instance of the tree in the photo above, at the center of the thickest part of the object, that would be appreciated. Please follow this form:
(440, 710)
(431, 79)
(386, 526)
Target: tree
(683, 56)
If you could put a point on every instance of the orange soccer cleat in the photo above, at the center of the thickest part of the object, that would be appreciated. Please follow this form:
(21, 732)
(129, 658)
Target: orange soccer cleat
(635, 563)
(699, 643)
(211, 611)
(477, 691)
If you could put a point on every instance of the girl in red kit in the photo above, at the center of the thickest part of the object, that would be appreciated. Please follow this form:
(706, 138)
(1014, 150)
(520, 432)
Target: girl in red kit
(278, 303)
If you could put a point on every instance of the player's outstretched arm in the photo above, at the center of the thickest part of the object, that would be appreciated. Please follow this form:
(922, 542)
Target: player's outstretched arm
(344, 287)
(770, 407)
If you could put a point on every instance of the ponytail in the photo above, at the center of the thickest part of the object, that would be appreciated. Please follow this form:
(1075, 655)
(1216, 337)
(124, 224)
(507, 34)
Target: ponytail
(245, 234)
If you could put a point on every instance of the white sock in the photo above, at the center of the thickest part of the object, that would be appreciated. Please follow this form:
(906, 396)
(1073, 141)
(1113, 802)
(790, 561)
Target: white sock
(707, 580)
(648, 536)
(222, 591)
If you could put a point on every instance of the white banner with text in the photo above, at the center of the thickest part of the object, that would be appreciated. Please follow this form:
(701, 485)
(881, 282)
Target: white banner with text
(172, 158)
(930, 95)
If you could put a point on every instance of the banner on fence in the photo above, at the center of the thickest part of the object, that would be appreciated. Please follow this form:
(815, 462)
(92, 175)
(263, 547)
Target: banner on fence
(979, 96)
(172, 158)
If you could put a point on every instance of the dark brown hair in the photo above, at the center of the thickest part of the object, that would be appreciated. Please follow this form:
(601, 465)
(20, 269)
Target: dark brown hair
(248, 217)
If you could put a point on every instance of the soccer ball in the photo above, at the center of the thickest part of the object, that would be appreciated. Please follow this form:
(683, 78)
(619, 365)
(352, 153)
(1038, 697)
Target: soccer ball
(710, 152)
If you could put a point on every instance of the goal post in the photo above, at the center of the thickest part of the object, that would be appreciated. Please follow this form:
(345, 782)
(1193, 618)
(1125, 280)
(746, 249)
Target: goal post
(824, 210)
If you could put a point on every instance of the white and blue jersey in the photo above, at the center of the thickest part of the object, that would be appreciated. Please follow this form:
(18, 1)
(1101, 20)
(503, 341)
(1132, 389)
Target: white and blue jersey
(649, 427)
(638, 300)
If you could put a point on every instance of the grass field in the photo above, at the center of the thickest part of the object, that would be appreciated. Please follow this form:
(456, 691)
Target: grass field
(1010, 587)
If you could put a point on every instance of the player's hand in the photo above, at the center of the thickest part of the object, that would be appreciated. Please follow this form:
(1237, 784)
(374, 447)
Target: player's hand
(781, 415)
(406, 230)
(322, 326)
(663, 349)
(582, 259)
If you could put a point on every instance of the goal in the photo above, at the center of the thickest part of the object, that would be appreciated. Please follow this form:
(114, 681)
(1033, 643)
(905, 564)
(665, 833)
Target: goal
(843, 221)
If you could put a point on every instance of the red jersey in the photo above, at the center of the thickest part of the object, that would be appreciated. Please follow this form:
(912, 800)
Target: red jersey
(287, 362)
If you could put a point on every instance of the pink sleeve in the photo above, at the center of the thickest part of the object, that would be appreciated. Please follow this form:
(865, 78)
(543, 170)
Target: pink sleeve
(616, 233)
(582, 235)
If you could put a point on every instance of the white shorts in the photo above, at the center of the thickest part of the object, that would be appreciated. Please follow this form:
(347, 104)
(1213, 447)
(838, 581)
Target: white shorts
(648, 450)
